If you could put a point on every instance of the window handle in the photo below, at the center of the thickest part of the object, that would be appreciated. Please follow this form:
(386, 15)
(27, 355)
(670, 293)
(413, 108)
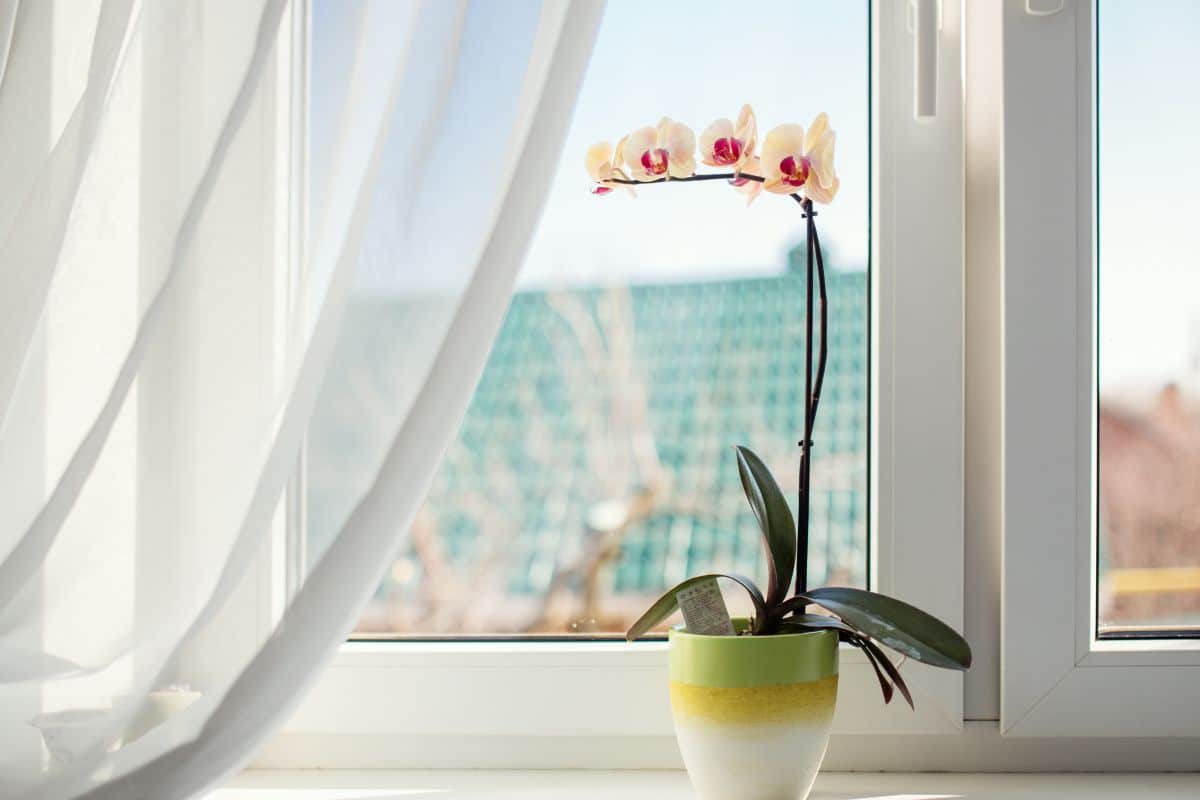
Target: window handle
(1043, 8)
(924, 22)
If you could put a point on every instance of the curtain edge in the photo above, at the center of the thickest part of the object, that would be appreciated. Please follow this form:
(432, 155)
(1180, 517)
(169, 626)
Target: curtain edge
(258, 702)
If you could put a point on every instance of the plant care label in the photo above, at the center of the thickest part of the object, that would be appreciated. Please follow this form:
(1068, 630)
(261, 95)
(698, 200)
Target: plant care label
(704, 609)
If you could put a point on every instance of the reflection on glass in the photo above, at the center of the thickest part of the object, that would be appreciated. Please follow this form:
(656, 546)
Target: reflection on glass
(594, 467)
(1149, 314)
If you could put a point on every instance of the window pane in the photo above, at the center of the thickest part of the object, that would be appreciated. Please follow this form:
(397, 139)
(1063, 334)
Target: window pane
(1149, 314)
(647, 336)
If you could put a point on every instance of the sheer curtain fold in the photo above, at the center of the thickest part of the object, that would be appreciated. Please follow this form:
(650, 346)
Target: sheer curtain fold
(30, 247)
(23, 561)
(172, 345)
(8, 21)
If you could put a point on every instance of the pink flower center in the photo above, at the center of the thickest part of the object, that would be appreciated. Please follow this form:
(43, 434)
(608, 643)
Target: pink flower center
(727, 150)
(795, 172)
(655, 161)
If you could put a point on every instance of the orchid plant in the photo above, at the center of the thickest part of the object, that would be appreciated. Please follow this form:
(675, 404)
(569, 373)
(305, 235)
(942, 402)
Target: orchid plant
(799, 164)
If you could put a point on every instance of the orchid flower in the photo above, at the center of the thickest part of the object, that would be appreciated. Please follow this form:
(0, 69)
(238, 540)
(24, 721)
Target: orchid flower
(799, 163)
(726, 144)
(750, 188)
(668, 151)
(601, 163)
(792, 161)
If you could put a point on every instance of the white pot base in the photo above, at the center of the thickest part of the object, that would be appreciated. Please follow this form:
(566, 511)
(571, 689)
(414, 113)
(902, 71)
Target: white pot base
(752, 762)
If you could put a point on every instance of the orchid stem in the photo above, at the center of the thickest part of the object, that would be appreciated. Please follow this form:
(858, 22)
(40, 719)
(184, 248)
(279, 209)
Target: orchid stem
(802, 500)
(712, 176)
(815, 268)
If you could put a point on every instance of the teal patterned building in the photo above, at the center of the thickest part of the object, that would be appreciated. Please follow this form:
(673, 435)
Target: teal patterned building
(692, 367)
(596, 455)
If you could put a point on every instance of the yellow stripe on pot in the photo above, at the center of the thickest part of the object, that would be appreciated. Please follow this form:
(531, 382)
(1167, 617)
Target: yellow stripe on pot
(810, 702)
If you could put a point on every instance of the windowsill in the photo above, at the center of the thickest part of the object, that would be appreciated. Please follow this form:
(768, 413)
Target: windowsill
(631, 785)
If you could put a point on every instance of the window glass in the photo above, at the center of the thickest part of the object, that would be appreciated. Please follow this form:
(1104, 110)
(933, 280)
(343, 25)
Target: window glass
(647, 336)
(1149, 315)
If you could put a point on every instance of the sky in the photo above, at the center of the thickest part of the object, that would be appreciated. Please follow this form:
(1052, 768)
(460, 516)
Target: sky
(1149, 171)
(686, 59)
(695, 62)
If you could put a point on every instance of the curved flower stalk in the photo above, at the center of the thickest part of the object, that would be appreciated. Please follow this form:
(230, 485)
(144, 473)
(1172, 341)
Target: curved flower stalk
(799, 164)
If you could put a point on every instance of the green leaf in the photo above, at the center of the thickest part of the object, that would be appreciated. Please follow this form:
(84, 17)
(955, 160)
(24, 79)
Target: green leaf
(885, 686)
(902, 627)
(872, 649)
(666, 605)
(774, 518)
(789, 627)
(818, 621)
(797, 603)
(798, 623)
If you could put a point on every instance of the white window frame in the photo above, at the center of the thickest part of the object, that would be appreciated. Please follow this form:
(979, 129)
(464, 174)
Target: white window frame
(1058, 678)
(475, 704)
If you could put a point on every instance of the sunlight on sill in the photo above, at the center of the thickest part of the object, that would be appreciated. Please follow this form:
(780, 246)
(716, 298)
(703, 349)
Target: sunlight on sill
(332, 793)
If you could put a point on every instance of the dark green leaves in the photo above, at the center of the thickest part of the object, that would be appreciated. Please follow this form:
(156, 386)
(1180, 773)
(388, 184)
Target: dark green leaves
(665, 606)
(879, 660)
(904, 628)
(885, 685)
(774, 518)
(885, 670)
(817, 621)
(889, 677)
(861, 618)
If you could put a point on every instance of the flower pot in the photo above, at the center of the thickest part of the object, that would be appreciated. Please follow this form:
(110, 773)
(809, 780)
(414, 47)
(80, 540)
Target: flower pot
(752, 713)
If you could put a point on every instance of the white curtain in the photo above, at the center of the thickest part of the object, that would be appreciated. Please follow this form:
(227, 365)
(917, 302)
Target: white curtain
(177, 254)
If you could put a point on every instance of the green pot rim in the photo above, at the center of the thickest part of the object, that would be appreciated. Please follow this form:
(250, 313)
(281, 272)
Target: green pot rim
(750, 661)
